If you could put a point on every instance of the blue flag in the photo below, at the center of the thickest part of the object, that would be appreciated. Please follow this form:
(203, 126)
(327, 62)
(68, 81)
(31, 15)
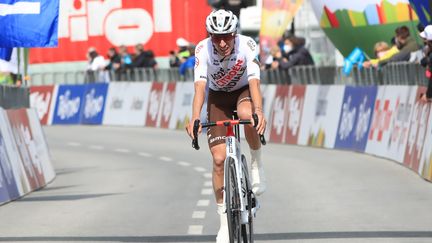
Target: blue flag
(29, 23)
(6, 53)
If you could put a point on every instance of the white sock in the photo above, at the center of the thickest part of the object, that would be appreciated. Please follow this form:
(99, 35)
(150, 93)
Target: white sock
(222, 235)
(256, 161)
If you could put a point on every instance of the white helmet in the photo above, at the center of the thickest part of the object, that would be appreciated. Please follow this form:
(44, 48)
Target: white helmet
(221, 22)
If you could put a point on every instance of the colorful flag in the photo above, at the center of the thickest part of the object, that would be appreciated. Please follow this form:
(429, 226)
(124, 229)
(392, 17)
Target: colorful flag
(29, 23)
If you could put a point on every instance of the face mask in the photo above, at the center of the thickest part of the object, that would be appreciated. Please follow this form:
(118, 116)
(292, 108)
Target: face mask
(287, 48)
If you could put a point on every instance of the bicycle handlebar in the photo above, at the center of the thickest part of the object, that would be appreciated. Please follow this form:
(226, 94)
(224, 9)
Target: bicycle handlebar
(225, 123)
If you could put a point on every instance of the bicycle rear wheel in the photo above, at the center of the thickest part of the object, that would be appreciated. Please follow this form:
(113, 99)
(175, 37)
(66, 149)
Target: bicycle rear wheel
(247, 229)
(232, 201)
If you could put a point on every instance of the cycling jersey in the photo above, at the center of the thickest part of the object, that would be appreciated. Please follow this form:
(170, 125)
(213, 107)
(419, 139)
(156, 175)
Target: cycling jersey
(228, 73)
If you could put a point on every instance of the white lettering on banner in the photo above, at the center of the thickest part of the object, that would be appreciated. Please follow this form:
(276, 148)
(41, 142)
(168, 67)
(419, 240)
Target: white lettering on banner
(418, 127)
(68, 108)
(31, 146)
(93, 105)
(347, 119)
(40, 102)
(121, 26)
(167, 106)
(155, 98)
(362, 120)
(20, 8)
(381, 121)
(294, 114)
(7, 169)
(399, 131)
(23, 152)
(278, 115)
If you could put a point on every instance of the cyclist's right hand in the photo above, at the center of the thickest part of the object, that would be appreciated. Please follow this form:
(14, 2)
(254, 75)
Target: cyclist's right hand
(189, 129)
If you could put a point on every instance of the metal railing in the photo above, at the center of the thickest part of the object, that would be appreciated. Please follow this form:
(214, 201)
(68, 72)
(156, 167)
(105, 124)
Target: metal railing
(403, 73)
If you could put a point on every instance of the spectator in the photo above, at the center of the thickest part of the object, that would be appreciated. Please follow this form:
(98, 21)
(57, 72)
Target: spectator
(143, 59)
(405, 43)
(382, 52)
(114, 61)
(174, 60)
(183, 52)
(275, 57)
(125, 58)
(295, 53)
(427, 61)
(189, 64)
(96, 66)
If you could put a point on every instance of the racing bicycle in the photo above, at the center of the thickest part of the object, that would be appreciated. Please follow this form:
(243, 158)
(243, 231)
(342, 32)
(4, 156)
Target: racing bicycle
(238, 197)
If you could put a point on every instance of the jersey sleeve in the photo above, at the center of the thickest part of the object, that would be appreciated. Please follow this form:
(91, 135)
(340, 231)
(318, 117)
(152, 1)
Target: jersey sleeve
(253, 66)
(201, 60)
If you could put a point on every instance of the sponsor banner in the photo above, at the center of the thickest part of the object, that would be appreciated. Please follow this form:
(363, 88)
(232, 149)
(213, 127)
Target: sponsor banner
(94, 104)
(294, 111)
(268, 93)
(167, 105)
(127, 103)
(425, 168)
(24, 139)
(321, 115)
(356, 116)
(68, 104)
(40, 146)
(417, 132)
(7, 178)
(405, 99)
(182, 111)
(380, 132)
(155, 104)
(102, 24)
(41, 99)
(12, 152)
(278, 114)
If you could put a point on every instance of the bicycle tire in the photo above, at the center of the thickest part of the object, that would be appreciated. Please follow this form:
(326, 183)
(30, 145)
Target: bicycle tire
(247, 229)
(232, 202)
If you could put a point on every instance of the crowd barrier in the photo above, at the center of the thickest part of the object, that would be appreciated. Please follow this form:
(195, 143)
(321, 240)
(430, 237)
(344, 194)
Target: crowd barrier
(25, 163)
(402, 73)
(387, 121)
(12, 97)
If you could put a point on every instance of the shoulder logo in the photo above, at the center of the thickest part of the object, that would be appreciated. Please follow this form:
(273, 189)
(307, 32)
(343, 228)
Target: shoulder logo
(199, 48)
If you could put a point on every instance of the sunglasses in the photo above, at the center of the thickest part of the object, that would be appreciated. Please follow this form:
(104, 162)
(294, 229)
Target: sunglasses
(224, 37)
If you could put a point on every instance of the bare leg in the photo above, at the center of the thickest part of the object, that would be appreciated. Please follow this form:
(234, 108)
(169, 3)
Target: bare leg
(218, 153)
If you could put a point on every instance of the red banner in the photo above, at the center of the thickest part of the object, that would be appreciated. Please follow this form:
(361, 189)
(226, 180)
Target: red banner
(155, 101)
(167, 105)
(25, 142)
(417, 132)
(294, 110)
(102, 24)
(278, 115)
(40, 99)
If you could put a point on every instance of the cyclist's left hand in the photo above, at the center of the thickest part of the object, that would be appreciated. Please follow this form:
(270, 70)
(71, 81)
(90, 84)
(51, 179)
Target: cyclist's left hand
(262, 123)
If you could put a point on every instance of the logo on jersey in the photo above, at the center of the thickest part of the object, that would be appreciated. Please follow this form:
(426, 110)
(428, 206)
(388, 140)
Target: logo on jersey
(196, 62)
(229, 79)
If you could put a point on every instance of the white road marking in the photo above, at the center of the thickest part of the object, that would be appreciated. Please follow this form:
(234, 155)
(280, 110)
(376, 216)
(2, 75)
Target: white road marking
(208, 175)
(208, 183)
(185, 164)
(203, 203)
(200, 169)
(122, 150)
(167, 159)
(96, 147)
(206, 191)
(198, 214)
(195, 230)
(144, 154)
(74, 144)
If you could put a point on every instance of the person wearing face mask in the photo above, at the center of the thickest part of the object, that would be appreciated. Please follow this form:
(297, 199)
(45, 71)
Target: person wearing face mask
(295, 53)
(426, 62)
(382, 52)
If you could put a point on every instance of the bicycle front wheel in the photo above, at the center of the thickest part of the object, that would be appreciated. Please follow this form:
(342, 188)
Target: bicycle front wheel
(247, 229)
(232, 202)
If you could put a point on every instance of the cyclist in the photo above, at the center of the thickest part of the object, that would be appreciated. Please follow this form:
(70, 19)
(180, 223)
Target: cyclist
(227, 61)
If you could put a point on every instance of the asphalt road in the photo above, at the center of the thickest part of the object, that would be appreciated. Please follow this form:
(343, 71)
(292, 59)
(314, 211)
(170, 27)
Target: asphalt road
(118, 184)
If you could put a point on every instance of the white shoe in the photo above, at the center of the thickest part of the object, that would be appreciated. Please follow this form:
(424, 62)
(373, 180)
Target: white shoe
(223, 234)
(258, 180)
